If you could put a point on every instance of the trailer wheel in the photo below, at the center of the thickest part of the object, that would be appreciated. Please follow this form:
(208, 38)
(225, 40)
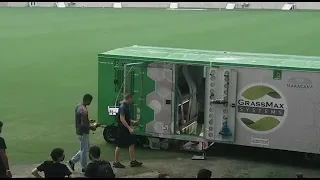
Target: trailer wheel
(110, 134)
(310, 156)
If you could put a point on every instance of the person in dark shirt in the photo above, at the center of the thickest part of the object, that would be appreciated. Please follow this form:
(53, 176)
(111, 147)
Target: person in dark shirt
(54, 168)
(98, 168)
(126, 137)
(83, 127)
(4, 163)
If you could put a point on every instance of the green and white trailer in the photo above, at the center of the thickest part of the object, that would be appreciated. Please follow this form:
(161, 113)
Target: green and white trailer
(260, 100)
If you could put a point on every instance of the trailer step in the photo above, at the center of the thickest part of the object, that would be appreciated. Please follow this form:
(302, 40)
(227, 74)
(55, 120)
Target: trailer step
(196, 157)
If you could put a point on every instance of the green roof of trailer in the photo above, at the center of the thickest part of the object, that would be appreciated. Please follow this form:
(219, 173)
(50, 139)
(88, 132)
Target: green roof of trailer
(215, 58)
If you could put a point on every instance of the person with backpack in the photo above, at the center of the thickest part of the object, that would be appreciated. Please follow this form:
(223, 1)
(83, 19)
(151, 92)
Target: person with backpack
(98, 168)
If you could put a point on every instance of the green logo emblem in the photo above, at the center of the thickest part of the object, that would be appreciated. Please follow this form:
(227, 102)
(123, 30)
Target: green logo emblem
(261, 108)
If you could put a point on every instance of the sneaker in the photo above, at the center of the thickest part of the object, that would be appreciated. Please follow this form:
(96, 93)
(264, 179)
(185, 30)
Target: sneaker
(118, 165)
(71, 165)
(135, 163)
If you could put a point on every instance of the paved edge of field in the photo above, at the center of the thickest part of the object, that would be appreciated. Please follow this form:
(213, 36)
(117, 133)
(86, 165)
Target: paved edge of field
(187, 168)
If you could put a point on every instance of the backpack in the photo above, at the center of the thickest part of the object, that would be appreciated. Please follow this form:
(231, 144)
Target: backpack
(104, 170)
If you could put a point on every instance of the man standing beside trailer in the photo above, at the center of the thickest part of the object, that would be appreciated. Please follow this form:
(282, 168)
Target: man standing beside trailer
(126, 137)
(82, 129)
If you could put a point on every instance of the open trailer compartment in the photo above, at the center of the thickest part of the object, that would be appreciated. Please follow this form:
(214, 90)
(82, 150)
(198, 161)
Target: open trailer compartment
(259, 100)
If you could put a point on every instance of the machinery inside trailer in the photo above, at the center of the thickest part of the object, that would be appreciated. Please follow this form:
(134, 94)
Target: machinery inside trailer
(174, 93)
(190, 97)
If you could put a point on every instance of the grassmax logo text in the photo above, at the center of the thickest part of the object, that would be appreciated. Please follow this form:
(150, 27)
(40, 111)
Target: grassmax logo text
(261, 108)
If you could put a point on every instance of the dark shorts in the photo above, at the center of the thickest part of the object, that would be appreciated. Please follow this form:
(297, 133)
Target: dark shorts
(200, 118)
(125, 138)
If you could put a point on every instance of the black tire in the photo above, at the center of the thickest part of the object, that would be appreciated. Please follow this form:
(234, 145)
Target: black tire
(110, 134)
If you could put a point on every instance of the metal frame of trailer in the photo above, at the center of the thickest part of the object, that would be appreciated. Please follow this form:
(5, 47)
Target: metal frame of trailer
(249, 99)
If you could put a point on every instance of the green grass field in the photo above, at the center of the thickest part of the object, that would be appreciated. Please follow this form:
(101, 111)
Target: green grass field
(49, 60)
